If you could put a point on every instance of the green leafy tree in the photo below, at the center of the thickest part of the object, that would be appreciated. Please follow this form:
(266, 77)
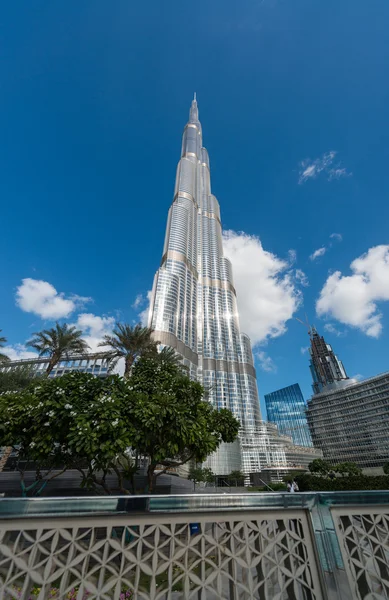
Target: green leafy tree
(208, 475)
(173, 423)
(386, 468)
(195, 475)
(97, 426)
(236, 478)
(130, 343)
(58, 343)
(201, 475)
(3, 357)
(168, 356)
(320, 466)
(16, 379)
(347, 469)
(75, 421)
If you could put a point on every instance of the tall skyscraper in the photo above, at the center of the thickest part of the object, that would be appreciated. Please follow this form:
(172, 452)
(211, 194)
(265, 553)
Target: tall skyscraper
(286, 408)
(193, 309)
(326, 368)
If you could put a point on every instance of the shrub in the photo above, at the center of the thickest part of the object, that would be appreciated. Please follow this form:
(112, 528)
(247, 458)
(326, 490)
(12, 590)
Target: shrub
(314, 483)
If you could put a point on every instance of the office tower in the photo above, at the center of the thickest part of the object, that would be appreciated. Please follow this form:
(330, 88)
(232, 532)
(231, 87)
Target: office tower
(351, 423)
(326, 368)
(194, 310)
(286, 408)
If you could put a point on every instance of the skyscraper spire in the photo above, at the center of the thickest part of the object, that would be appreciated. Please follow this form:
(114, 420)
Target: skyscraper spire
(194, 111)
(194, 310)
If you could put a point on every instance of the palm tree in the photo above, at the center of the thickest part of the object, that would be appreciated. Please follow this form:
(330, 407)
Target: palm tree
(3, 357)
(168, 356)
(128, 342)
(58, 343)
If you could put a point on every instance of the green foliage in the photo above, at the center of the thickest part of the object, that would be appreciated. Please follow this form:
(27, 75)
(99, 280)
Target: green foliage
(57, 343)
(75, 421)
(199, 474)
(273, 487)
(386, 468)
(130, 343)
(313, 483)
(3, 341)
(320, 466)
(235, 478)
(83, 422)
(173, 423)
(347, 469)
(16, 379)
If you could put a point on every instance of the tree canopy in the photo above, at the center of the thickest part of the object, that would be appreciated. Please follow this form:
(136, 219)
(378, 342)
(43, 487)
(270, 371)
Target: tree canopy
(58, 343)
(130, 343)
(16, 379)
(97, 425)
(201, 475)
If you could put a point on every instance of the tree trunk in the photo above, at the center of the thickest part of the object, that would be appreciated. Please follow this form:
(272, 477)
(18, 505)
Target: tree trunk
(53, 361)
(129, 361)
(150, 478)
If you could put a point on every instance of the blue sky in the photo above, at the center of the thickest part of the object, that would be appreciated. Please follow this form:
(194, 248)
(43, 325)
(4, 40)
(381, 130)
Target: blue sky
(293, 99)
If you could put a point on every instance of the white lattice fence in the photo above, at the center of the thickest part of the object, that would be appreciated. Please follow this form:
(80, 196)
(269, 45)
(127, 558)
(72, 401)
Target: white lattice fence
(363, 534)
(261, 555)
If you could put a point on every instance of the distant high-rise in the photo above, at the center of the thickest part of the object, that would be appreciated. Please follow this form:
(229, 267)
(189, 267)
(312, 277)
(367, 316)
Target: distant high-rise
(194, 310)
(351, 423)
(326, 368)
(286, 408)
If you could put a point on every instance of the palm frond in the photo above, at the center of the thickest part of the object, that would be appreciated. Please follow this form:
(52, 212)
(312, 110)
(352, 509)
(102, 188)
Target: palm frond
(59, 342)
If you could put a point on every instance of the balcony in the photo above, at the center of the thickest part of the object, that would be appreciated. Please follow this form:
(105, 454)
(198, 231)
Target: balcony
(308, 546)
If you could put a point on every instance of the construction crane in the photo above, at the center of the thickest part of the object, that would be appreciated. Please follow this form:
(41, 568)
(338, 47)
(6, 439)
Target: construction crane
(306, 324)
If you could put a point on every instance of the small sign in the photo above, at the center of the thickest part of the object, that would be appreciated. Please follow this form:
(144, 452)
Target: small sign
(194, 528)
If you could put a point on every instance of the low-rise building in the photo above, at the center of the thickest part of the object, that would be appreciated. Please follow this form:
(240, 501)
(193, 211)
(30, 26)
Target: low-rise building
(85, 363)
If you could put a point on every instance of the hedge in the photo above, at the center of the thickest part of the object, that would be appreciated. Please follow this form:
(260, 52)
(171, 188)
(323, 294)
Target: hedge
(315, 483)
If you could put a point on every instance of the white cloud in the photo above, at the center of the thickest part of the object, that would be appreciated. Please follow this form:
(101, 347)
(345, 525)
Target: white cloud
(330, 328)
(310, 169)
(144, 314)
(338, 173)
(267, 295)
(18, 352)
(319, 252)
(336, 236)
(301, 278)
(265, 362)
(138, 301)
(304, 349)
(357, 377)
(94, 328)
(292, 254)
(352, 299)
(42, 299)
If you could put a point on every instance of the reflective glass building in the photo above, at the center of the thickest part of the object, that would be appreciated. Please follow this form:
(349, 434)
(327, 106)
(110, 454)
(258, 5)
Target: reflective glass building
(351, 423)
(194, 310)
(286, 408)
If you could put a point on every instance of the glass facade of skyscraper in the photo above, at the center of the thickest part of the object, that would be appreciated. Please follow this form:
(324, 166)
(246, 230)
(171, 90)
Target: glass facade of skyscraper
(286, 408)
(194, 310)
